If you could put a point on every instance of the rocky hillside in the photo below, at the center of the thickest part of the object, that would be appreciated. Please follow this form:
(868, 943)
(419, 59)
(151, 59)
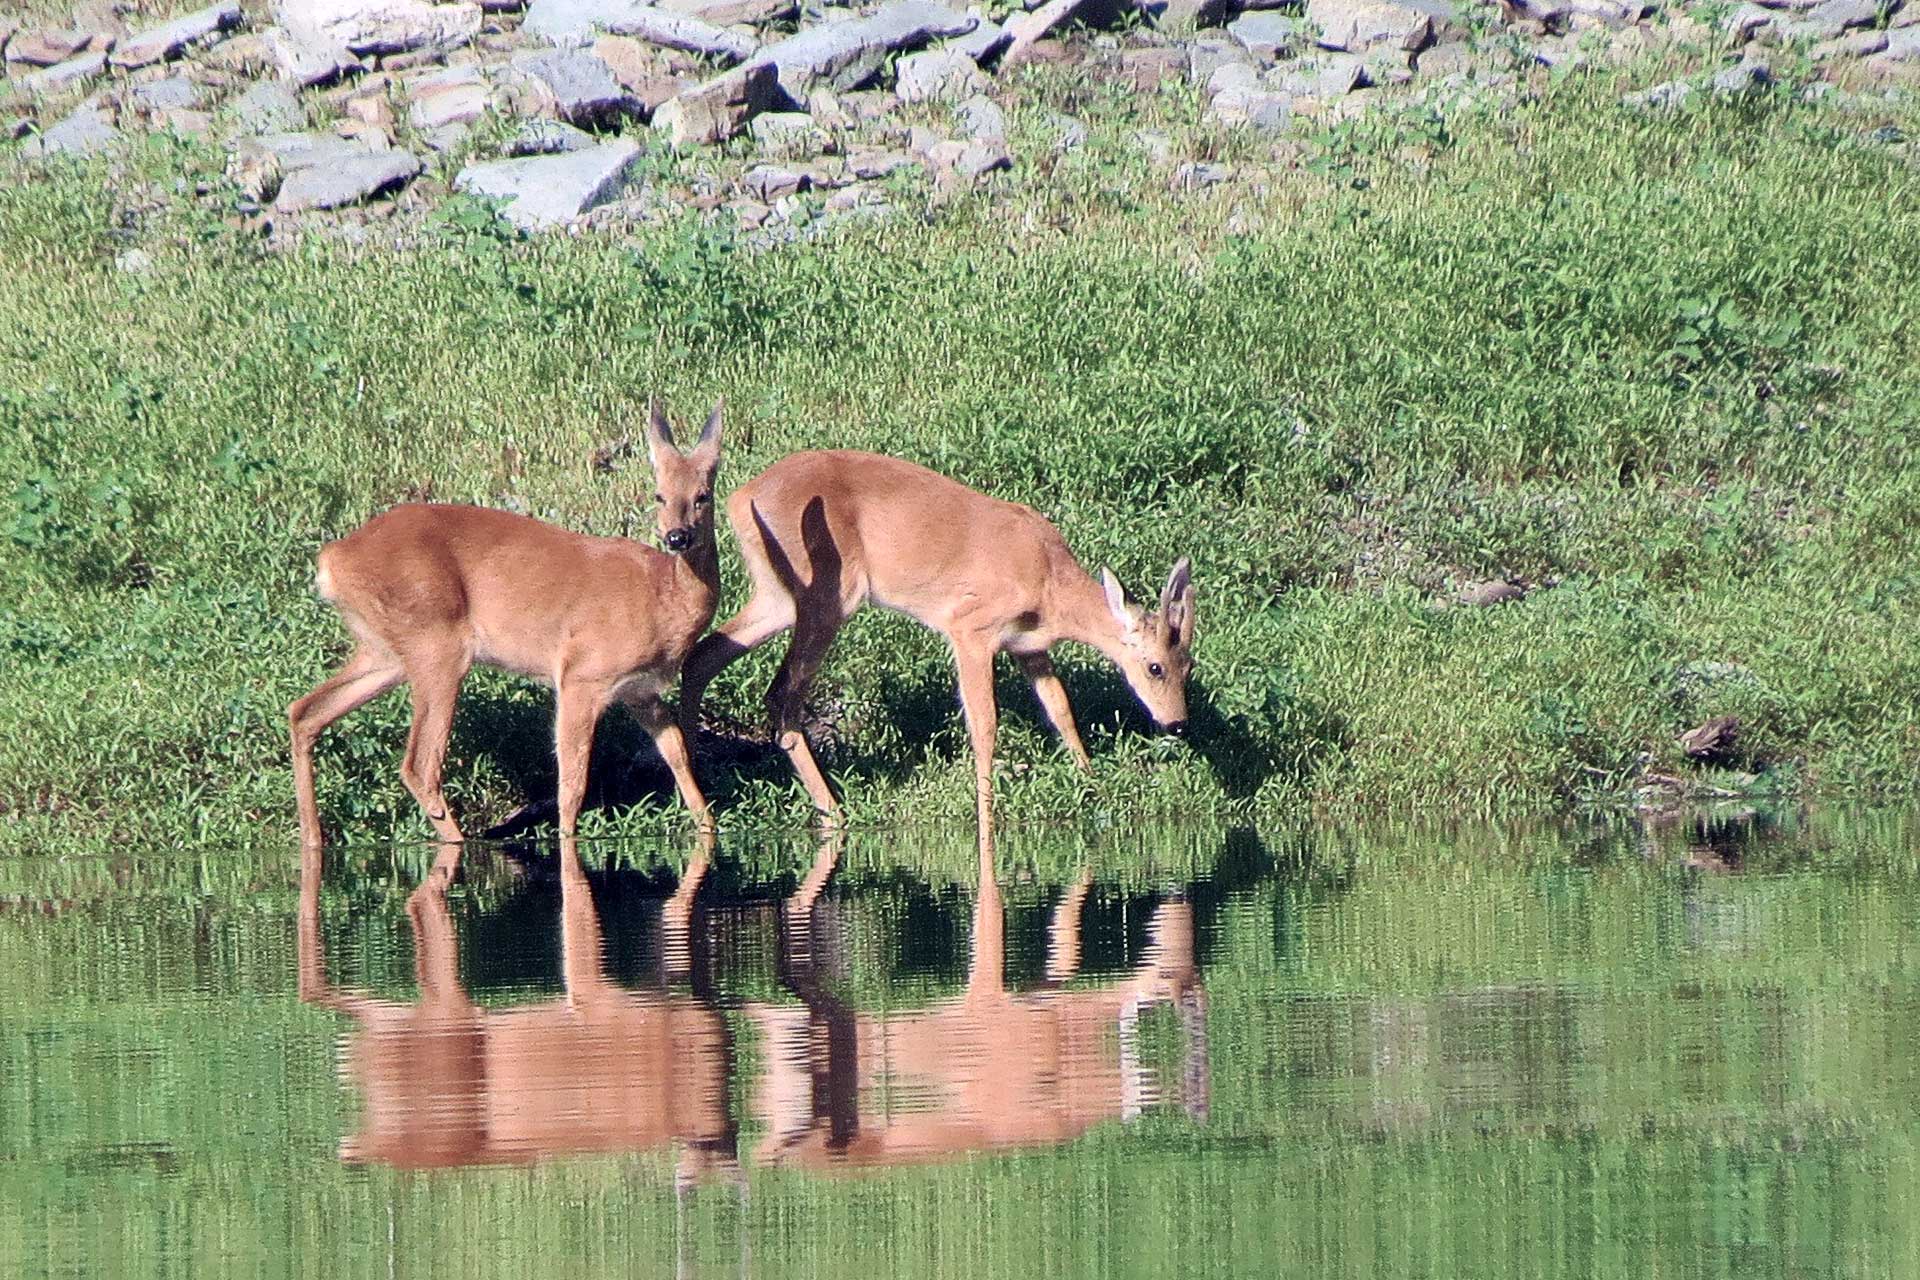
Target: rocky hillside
(348, 114)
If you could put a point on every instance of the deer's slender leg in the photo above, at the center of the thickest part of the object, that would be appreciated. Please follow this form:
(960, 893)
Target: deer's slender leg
(975, 663)
(578, 707)
(765, 616)
(812, 634)
(1053, 700)
(436, 689)
(671, 743)
(365, 676)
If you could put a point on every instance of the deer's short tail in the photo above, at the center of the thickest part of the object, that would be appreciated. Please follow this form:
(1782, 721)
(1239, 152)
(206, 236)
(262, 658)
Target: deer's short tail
(323, 574)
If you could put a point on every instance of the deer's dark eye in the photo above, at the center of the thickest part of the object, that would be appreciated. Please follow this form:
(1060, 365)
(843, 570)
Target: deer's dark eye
(658, 498)
(1157, 671)
(703, 499)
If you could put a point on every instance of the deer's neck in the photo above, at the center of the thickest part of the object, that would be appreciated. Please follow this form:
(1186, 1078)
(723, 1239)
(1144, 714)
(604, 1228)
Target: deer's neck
(1084, 615)
(696, 574)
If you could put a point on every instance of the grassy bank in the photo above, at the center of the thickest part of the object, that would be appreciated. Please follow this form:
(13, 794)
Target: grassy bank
(1664, 364)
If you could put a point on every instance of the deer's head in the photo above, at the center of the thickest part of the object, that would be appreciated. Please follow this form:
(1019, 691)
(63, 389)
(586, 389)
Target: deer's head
(1156, 648)
(683, 482)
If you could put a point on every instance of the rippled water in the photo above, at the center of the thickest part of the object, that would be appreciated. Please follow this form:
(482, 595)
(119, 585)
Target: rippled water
(1565, 1050)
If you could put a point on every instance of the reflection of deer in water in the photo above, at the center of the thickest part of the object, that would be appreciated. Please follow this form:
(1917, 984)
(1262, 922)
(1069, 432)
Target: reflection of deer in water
(988, 1069)
(601, 1069)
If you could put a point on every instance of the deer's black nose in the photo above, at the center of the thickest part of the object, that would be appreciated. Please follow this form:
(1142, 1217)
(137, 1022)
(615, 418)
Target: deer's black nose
(678, 539)
(1178, 728)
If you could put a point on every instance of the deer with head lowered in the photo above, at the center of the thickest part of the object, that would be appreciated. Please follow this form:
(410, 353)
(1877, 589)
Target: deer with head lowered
(824, 533)
(428, 590)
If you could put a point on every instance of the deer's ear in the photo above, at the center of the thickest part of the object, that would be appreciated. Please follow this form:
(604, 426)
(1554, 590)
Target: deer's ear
(659, 434)
(1116, 599)
(1176, 603)
(706, 450)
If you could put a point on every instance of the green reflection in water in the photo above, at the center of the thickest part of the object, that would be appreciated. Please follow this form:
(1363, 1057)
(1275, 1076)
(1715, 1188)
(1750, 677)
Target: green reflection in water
(1550, 1050)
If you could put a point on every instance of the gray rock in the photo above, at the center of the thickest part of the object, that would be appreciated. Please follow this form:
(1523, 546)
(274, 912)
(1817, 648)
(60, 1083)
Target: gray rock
(1903, 45)
(1855, 44)
(1668, 94)
(1609, 13)
(983, 119)
(550, 191)
(378, 26)
(157, 44)
(458, 95)
(1743, 23)
(80, 134)
(343, 179)
(47, 48)
(65, 75)
(984, 43)
(1358, 24)
(788, 134)
(720, 108)
(547, 138)
(583, 88)
(1208, 54)
(768, 183)
(176, 93)
(1747, 76)
(1256, 108)
(727, 13)
(1193, 175)
(844, 55)
(1069, 134)
(268, 107)
(1265, 35)
(1327, 76)
(133, 262)
(969, 160)
(1845, 15)
(937, 75)
(878, 164)
(577, 22)
(307, 60)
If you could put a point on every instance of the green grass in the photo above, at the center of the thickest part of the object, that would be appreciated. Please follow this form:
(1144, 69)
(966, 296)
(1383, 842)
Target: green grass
(1666, 363)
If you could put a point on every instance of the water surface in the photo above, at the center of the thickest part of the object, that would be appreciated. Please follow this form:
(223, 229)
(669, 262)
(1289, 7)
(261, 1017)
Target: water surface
(1621, 1048)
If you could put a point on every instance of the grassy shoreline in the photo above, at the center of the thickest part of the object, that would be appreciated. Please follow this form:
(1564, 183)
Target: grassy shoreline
(1664, 363)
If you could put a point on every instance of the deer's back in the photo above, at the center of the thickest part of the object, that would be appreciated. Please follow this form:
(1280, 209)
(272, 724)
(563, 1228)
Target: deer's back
(916, 537)
(516, 588)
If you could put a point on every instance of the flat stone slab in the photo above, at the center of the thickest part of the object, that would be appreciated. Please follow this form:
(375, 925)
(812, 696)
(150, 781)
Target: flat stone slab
(157, 44)
(844, 55)
(727, 13)
(937, 75)
(1359, 24)
(575, 22)
(268, 107)
(64, 75)
(583, 87)
(1264, 34)
(343, 179)
(378, 26)
(458, 95)
(177, 93)
(548, 138)
(47, 48)
(81, 134)
(550, 191)
(720, 108)
(305, 58)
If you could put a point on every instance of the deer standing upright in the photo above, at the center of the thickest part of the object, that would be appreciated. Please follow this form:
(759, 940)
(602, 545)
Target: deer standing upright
(824, 533)
(428, 590)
